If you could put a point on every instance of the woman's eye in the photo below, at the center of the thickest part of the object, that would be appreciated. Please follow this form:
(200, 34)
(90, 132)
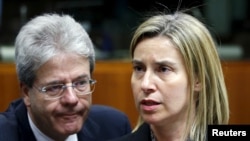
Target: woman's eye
(137, 68)
(164, 69)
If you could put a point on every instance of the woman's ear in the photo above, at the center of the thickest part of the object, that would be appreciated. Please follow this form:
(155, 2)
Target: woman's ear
(197, 85)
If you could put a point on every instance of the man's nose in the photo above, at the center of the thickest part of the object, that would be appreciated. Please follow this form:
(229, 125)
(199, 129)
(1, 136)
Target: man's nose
(69, 95)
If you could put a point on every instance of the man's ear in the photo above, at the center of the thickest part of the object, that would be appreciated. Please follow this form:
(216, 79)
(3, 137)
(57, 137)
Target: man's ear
(25, 94)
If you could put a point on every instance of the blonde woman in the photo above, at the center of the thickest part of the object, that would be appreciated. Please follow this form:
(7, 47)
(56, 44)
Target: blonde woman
(177, 80)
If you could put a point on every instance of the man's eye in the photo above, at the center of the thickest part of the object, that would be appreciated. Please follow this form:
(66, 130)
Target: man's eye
(53, 88)
(81, 83)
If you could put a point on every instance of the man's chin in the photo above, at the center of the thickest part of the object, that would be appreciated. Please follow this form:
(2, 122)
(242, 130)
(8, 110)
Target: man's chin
(70, 127)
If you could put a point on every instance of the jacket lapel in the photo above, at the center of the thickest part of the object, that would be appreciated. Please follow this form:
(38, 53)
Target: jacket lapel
(90, 131)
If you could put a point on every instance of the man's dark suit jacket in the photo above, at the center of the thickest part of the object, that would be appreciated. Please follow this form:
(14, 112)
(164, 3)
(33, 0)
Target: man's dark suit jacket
(141, 134)
(103, 123)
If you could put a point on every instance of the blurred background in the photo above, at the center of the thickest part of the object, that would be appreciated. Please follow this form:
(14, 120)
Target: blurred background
(111, 23)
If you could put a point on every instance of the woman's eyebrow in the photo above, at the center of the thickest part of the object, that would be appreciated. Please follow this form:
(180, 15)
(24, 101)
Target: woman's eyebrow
(165, 62)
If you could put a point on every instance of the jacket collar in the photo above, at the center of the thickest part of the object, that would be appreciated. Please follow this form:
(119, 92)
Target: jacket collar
(143, 133)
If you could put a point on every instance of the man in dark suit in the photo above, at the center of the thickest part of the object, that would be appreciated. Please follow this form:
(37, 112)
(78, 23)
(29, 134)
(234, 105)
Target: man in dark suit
(55, 61)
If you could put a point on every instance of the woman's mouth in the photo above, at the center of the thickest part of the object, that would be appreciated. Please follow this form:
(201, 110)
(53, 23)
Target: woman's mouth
(149, 105)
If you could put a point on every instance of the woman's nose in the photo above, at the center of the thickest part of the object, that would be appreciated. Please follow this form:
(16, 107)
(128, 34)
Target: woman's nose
(147, 83)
